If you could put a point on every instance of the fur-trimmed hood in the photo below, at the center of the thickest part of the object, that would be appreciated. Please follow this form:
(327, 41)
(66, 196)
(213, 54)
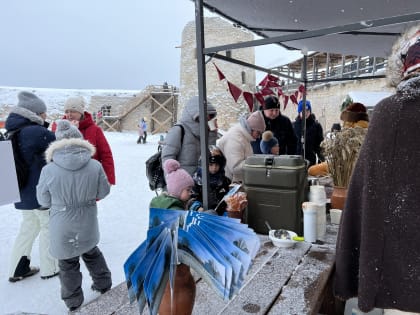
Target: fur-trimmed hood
(395, 65)
(28, 114)
(70, 154)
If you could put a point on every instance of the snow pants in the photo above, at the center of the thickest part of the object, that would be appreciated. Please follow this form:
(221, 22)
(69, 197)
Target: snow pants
(71, 277)
(34, 223)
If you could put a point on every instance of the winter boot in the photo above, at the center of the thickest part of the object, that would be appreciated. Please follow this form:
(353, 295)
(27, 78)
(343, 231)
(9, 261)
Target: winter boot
(23, 270)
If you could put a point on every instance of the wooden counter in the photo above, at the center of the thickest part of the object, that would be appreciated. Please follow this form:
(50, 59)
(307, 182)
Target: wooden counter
(280, 282)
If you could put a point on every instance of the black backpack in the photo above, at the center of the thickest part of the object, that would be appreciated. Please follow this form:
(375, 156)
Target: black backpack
(154, 167)
(22, 168)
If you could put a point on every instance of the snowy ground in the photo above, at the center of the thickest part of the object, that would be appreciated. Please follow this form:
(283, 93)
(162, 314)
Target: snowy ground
(123, 217)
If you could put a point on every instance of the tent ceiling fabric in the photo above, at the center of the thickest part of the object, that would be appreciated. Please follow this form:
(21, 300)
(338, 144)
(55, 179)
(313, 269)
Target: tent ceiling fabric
(271, 18)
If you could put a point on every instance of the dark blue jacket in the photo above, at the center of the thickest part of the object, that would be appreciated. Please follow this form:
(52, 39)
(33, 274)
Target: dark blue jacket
(33, 139)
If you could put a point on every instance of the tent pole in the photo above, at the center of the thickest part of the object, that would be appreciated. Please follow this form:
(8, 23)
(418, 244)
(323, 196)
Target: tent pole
(305, 81)
(202, 98)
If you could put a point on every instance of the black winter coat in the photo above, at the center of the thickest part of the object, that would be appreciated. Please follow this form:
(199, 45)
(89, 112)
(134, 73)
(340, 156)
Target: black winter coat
(378, 252)
(314, 137)
(34, 139)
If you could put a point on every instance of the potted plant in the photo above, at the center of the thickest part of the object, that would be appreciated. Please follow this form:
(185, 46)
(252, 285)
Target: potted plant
(341, 151)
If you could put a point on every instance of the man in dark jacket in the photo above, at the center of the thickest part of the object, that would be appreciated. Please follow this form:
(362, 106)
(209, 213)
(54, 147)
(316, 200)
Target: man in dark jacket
(378, 257)
(313, 135)
(34, 137)
(280, 125)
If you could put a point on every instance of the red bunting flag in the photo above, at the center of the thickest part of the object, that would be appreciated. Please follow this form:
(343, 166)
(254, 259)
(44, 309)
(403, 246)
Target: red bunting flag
(249, 99)
(279, 92)
(301, 88)
(293, 99)
(234, 90)
(272, 84)
(285, 101)
(219, 73)
(266, 91)
(260, 98)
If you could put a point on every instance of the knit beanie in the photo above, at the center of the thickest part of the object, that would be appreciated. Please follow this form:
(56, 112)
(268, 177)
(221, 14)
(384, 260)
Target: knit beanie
(268, 141)
(65, 130)
(308, 106)
(256, 121)
(271, 102)
(76, 104)
(354, 112)
(31, 102)
(177, 179)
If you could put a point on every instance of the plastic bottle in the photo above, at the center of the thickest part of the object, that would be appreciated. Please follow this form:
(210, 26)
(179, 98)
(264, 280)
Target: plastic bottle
(309, 221)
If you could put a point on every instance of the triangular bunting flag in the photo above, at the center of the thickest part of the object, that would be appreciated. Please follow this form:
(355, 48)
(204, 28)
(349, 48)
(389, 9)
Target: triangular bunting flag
(219, 73)
(266, 91)
(259, 98)
(249, 99)
(234, 90)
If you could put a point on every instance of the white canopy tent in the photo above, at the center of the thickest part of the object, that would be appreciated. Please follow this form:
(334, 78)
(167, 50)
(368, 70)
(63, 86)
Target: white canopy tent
(357, 27)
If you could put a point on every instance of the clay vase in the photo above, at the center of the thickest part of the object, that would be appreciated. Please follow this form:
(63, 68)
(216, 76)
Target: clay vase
(338, 197)
(184, 294)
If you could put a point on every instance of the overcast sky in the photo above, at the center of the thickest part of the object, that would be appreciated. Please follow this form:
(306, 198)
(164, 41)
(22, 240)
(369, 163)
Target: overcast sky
(93, 44)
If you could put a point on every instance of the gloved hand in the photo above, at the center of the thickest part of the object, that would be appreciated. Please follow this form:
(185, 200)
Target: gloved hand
(196, 206)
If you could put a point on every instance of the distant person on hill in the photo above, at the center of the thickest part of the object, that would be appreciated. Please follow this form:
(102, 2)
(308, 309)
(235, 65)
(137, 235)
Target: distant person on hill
(279, 125)
(33, 139)
(75, 112)
(183, 143)
(142, 130)
(70, 184)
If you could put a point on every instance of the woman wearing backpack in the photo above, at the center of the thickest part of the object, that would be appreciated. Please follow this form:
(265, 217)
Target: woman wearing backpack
(183, 144)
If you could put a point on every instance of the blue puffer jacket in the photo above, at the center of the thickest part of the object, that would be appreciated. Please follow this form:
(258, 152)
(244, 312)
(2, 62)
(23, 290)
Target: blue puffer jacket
(34, 139)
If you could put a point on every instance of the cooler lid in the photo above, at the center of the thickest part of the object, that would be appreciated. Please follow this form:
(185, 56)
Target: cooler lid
(275, 161)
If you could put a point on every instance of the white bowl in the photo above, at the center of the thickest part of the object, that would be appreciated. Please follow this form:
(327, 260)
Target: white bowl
(279, 242)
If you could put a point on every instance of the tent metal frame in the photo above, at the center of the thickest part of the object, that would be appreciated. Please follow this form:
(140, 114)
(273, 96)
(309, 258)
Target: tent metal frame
(202, 51)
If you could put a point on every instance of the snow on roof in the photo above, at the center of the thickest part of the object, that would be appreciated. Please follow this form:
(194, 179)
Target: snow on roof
(369, 99)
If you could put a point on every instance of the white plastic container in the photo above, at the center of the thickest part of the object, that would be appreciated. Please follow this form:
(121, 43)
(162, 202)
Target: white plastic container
(309, 221)
(335, 216)
(317, 194)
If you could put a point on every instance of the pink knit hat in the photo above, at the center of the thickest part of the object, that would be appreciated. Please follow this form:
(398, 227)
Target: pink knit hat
(256, 121)
(177, 179)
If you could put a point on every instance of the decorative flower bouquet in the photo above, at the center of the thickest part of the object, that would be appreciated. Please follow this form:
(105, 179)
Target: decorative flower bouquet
(341, 151)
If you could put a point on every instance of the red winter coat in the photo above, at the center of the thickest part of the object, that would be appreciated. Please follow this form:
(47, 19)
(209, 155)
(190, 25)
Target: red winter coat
(94, 134)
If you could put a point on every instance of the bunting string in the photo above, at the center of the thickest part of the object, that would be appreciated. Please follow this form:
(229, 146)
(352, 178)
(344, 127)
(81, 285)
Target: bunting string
(269, 85)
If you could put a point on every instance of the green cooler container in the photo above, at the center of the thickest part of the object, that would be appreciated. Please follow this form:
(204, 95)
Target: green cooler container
(275, 187)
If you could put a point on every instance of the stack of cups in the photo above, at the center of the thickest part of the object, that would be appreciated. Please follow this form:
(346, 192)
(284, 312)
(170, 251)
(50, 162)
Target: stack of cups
(309, 221)
(318, 196)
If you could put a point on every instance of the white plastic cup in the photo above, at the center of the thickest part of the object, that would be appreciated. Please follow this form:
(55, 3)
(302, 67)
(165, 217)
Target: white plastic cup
(317, 194)
(309, 221)
(335, 216)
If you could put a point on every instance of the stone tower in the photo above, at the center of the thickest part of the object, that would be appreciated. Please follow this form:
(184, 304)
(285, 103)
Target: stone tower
(217, 32)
